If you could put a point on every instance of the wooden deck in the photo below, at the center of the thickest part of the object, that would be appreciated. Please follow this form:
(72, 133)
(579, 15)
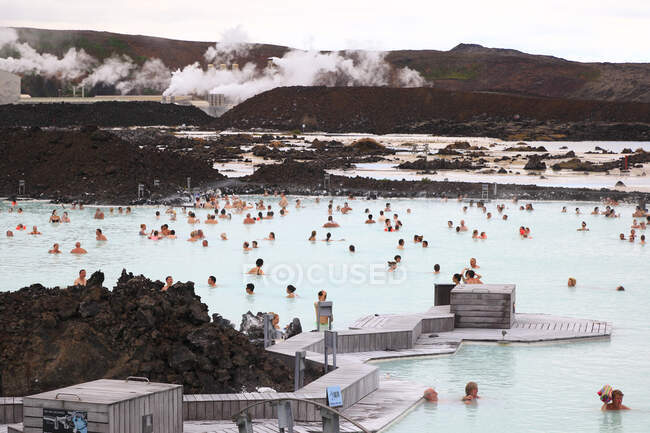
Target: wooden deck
(369, 399)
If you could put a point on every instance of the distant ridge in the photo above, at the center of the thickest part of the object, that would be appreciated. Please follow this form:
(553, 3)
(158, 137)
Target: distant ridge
(467, 66)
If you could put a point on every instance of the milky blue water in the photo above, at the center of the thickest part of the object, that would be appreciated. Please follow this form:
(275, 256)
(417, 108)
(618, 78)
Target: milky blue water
(529, 388)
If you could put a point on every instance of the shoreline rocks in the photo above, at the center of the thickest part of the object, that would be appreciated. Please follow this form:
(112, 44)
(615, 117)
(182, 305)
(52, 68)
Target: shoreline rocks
(55, 337)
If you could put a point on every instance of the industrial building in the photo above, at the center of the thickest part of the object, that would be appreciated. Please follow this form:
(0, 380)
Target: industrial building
(9, 88)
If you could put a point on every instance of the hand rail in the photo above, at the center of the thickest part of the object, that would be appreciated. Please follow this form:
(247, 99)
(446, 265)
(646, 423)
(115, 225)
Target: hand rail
(137, 379)
(322, 406)
(56, 397)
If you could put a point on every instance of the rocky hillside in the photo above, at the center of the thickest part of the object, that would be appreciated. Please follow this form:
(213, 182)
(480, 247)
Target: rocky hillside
(431, 110)
(466, 67)
(92, 165)
(57, 337)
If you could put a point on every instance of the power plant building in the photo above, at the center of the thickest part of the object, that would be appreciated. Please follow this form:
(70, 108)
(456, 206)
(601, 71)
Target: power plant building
(9, 88)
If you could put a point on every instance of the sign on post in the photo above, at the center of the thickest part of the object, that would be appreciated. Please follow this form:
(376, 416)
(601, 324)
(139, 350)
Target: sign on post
(334, 396)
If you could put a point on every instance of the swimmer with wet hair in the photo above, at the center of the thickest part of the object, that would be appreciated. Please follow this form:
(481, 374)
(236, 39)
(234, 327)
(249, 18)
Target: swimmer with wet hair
(425, 244)
(257, 269)
(471, 393)
(212, 281)
(616, 403)
(204, 243)
(223, 236)
(10, 234)
(463, 227)
(250, 289)
(169, 281)
(330, 223)
(248, 219)
(55, 249)
(81, 279)
(450, 224)
(291, 291)
(400, 244)
(370, 220)
(270, 237)
(351, 248)
(99, 235)
(35, 231)
(436, 268)
(583, 227)
(312, 237)
(247, 247)
(572, 282)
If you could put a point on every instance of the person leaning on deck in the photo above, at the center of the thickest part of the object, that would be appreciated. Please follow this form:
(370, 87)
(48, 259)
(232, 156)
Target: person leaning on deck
(322, 297)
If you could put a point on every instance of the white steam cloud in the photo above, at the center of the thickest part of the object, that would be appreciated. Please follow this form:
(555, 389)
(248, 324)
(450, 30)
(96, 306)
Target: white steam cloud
(234, 44)
(295, 68)
(77, 65)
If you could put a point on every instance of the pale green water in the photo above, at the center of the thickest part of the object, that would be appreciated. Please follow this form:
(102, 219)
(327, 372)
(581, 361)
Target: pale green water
(549, 388)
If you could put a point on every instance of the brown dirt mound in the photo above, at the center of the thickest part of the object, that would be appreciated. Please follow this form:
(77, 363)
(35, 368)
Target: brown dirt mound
(384, 109)
(91, 165)
(53, 338)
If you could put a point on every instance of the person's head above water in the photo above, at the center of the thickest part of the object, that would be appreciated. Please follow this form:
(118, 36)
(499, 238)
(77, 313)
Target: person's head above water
(259, 263)
(430, 394)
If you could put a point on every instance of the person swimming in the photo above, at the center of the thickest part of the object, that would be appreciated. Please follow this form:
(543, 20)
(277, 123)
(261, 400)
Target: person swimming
(473, 264)
(55, 249)
(572, 282)
(270, 237)
(81, 279)
(99, 215)
(257, 269)
(35, 231)
(212, 281)
(99, 235)
(77, 249)
(471, 393)
(583, 227)
(400, 244)
(616, 403)
(65, 218)
(169, 281)
(436, 268)
(430, 395)
(351, 248)
(54, 218)
(312, 237)
(330, 223)
(370, 220)
(249, 219)
(291, 291)
(246, 246)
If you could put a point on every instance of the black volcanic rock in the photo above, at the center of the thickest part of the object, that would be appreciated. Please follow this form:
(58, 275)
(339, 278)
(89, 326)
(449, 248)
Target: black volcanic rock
(57, 337)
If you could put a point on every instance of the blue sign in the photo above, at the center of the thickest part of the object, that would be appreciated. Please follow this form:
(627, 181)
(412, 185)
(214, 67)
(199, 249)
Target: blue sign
(334, 396)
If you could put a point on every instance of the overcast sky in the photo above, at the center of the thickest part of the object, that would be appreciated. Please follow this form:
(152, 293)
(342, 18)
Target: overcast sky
(583, 30)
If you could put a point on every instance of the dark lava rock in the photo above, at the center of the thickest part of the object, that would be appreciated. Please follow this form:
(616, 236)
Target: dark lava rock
(535, 163)
(105, 113)
(73, 164)
(288, 172)
(440, 164)
(58, 337)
